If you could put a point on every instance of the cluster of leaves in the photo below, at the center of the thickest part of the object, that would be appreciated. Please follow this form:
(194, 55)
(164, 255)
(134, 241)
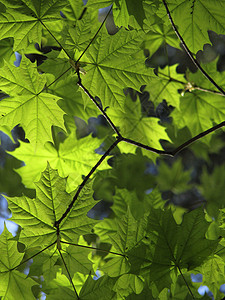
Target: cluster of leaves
(142, 249)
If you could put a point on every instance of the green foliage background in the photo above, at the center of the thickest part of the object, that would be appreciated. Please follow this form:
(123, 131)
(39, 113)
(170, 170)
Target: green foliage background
(143, 249)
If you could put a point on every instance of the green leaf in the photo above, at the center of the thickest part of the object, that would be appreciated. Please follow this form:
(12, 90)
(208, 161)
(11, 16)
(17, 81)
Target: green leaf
(141, 249)
(127, 284)
(72, 159)
(158, 35)
(45, 263)
(76, 259)
(117, 62)
(145, 294)
(194, 19)
(6, 52)
(129, 233)
(204, 110)
(13, 283)
(129, 169)
(212, 190)
(72, 101)
(80, 24)
(35, 110)
(59, 288)
(193, 248)
(196, 79)
(173, 178)
(166, 86)
(125, 9)
(213, 274)
(138, 206)
(105, 228)
(98, 289)
(13, 257)
(167, 251)
(20, 20)
(99, 3)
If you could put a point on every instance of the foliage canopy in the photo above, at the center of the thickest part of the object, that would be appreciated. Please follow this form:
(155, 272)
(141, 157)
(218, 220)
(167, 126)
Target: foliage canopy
(60, 174)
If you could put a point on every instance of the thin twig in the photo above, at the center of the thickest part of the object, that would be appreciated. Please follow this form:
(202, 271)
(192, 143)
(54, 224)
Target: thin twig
(197, 137)
(146, 147)
(70, 278)
(94, 36)
(79, 83)
(187, 50)
(194, 87)
(86, 179)
(181, 147)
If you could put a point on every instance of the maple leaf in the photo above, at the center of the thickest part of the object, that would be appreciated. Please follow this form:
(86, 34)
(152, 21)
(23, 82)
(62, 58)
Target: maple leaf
(21, 20)
(117, 62)
(27, 105)
(166, 86)
(72, 158)
(199, 17)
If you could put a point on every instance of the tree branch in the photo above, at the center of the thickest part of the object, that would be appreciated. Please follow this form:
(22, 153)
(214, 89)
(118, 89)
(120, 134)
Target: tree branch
(187, 50)
(197, 137)
(79, 83)
(86, 179)
(181, 147)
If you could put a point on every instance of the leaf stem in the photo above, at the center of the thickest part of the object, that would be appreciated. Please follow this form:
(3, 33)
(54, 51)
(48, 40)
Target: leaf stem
(188, 287)
(70, 278)
(171, 79)
(93, 248)
(24, 261)
(187, 50)
(119, 138)
(91, 41)
(61, 46)
(47, 86)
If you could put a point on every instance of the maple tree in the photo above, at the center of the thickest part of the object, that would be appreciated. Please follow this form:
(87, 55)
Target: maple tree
(60, 174)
